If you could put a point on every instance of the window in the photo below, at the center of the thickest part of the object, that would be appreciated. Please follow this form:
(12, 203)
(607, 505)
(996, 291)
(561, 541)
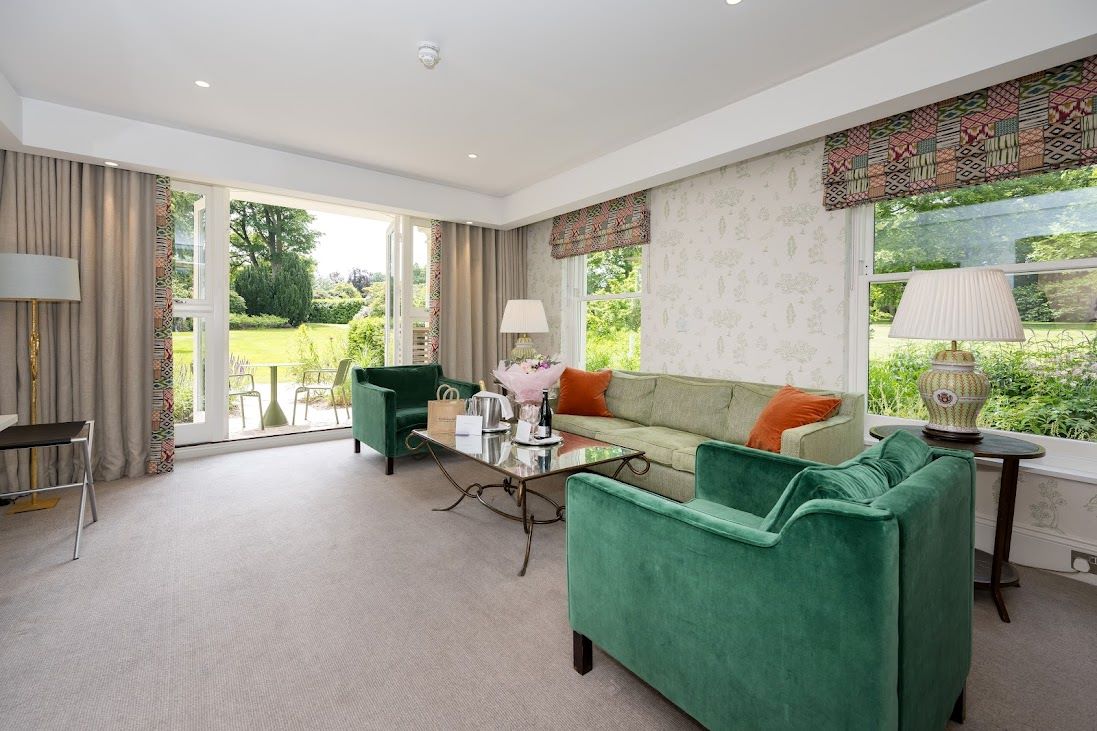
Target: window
(609, 285)
(1042, 231)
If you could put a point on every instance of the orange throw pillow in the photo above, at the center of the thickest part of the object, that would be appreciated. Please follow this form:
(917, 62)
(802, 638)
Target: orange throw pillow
(583, 393)
(789, 408)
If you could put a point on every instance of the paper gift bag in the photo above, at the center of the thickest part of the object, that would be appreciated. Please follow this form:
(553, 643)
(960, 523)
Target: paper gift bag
(442, 413)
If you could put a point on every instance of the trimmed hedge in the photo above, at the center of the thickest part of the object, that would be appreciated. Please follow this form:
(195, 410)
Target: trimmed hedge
(335, 311)
(255, 322)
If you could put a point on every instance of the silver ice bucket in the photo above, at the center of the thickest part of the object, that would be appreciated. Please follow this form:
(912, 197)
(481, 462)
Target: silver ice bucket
(487, 408)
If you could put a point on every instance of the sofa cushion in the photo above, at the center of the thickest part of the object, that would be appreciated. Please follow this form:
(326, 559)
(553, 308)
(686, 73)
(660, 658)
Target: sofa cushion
(723, 512)
(588, 426)
(629, 396)
(746, 404)
(412, 416)
(898, 456)
(658, 442)
(691, 406)
(861, 479)
(684, 460)
(583, 393)
(789, 408)
(414, 385)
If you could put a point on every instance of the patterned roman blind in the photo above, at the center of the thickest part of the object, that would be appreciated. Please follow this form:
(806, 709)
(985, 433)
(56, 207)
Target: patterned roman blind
(624, 221)
(1043, 121)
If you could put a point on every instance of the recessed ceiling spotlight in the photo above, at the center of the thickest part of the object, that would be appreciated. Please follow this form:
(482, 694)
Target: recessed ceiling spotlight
(202, 84)
(468, 223)
(110, 164)
(473, 156)
(734, 2)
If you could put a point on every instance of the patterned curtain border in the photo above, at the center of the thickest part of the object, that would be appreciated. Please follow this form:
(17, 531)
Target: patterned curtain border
(1040, 122)
(162, 443)
(434, 291)
(624, 221)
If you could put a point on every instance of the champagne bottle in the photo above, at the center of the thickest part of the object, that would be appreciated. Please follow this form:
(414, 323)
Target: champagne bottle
(544, 420)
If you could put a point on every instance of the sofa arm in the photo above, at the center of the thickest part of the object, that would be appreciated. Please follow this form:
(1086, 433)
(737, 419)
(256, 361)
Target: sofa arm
(830, 441)
(741, 477)
(373, 411)
(464, 388)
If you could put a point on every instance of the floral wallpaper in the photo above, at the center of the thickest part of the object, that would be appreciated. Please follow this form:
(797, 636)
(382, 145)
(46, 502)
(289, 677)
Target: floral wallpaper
(746, 275)
(746, 279)
(544, 281)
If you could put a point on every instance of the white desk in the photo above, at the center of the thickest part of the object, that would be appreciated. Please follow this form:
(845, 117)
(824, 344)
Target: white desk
(7, 420)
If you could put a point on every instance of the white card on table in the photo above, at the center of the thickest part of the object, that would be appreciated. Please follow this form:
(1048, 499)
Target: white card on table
(469, 426)
(522, 431)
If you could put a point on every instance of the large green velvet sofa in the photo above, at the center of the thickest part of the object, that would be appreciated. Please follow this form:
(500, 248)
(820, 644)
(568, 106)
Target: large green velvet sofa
(668, 416)
(761, 605)
(387, 403)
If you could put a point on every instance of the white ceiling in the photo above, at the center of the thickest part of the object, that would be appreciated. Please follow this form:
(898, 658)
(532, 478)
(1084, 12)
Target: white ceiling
(534, 88)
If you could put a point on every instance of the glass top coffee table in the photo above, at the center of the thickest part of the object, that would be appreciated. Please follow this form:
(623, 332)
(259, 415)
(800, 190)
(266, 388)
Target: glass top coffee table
(521, 464)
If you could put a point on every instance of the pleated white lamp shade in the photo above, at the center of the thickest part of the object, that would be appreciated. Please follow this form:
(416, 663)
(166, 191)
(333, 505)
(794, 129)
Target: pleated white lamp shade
(958, 304)
(39, 277)
(524, 316)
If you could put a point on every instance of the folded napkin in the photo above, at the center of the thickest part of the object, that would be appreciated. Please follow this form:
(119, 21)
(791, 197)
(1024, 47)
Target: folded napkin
(504, 403)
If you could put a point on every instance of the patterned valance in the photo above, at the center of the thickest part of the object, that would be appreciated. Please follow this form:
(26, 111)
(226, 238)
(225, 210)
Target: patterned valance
(624, 221)
(1043, 121)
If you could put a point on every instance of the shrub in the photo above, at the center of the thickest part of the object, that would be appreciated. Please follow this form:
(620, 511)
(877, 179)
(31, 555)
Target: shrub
(286, 292)
(237, 304)
(1046, 386)
(338, 311)
(256, 322)
(366, 341)
(183, 390)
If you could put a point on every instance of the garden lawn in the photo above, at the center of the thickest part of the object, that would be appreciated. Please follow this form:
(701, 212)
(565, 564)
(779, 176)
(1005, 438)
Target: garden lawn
(881, 346)
(274, 345)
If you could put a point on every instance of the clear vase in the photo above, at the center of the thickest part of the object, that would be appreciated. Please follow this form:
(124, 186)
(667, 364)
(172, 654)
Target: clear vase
(529, 411)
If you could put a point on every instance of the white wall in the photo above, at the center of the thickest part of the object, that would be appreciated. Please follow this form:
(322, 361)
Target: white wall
(747, 279)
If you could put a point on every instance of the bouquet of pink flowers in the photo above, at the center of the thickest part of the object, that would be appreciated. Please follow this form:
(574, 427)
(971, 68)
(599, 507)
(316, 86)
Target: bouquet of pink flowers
(526, 378)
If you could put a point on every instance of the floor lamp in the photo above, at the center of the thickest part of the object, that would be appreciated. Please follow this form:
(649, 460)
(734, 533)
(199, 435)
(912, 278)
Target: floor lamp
(34, 278)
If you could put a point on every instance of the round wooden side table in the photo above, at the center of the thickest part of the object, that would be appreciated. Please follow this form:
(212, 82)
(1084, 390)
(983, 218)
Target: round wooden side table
(992, 571)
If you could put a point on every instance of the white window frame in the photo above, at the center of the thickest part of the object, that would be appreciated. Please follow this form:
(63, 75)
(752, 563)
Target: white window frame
(214, 309)
(1068, 458)
(574, 328)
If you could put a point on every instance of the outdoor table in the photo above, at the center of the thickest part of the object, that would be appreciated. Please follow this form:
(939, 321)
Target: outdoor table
(274, 416)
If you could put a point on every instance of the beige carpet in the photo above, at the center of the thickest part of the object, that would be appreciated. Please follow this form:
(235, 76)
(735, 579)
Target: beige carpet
(299, 587)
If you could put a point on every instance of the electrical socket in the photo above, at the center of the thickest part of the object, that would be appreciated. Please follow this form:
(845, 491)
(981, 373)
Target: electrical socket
(1083, 561)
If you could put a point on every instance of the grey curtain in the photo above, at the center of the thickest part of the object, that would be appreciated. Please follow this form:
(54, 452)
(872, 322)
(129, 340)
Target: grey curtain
(96, 355)
(481, 269)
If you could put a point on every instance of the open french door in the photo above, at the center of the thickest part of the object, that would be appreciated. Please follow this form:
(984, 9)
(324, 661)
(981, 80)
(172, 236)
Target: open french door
(200, 312)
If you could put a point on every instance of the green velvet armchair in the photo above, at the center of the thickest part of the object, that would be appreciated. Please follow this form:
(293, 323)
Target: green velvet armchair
(387, 403)
(768, 602)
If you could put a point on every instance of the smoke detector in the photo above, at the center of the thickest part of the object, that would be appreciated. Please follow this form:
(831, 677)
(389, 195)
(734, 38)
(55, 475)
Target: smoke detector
(428, 54)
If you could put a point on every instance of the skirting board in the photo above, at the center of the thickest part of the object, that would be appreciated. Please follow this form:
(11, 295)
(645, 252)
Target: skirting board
(1037, 548)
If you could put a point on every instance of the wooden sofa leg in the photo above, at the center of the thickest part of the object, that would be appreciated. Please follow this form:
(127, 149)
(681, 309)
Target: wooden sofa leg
(959, 711)
(357, 447)
(388, 465)
(581, 653)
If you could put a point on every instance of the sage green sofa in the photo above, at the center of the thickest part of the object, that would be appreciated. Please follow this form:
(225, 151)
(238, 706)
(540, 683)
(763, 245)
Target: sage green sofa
(768, 603)
(668, 416)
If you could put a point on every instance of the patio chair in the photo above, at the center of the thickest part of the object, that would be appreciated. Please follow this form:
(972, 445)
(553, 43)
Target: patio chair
(338, 376)
(243, 384)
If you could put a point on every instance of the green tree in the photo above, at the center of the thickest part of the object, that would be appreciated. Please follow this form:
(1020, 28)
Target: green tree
(260, 233)
(286, 292)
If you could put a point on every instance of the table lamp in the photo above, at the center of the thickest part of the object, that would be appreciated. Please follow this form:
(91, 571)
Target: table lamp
(35, 278)
(524, 317)
(956, 304)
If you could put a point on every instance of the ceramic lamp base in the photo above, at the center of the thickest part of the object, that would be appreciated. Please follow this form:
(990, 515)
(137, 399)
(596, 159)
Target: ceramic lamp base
(523, 348)
(954, 394)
